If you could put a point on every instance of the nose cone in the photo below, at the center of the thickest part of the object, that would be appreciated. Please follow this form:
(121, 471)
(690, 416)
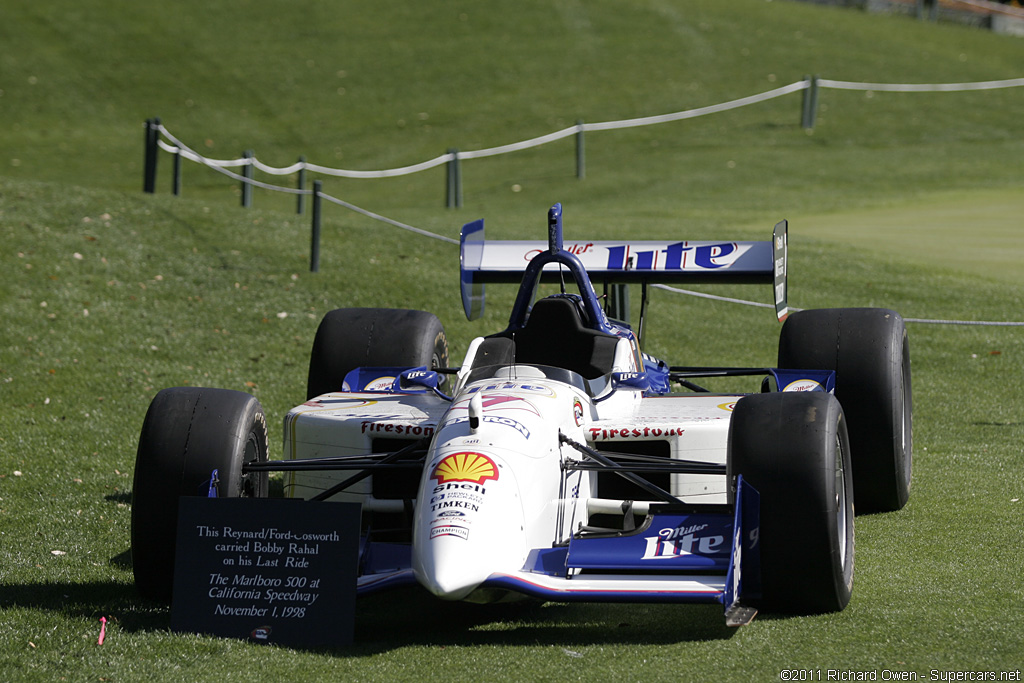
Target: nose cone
(445, 567)
(468, 523)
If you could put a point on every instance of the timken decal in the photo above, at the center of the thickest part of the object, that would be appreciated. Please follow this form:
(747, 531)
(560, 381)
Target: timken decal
(465, 466)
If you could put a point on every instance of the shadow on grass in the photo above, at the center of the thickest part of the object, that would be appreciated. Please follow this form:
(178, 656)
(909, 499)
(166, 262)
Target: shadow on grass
(527, 623)
(410, 616)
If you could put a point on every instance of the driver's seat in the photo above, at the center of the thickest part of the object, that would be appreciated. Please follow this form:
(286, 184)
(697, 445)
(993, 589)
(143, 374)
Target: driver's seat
(555, 335)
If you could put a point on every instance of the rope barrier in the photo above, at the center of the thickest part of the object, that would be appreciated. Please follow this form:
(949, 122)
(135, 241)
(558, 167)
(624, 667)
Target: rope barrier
(426, 233)
(220, 167)
(192, 156)
(808, 84)
(389, 221)
(797, 86)
(487, 152)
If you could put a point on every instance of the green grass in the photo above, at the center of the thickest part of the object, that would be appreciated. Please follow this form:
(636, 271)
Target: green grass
(899, 200)
(977, 231)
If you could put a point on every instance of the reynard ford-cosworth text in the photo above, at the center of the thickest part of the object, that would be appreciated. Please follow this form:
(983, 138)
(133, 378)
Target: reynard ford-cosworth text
(268, 533)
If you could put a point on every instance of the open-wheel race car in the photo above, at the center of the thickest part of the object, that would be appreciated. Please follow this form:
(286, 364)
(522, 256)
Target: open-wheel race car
(555, 461)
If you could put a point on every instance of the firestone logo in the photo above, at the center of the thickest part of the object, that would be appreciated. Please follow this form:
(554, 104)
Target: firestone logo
(465, 466)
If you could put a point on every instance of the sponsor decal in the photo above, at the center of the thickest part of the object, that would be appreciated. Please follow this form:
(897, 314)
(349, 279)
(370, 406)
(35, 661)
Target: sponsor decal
(804, 385)
(577, 411)
(446, 504)
(499, 402)
(450, 530)
(452, 513)
(576, 248)
(465, 466)
(494, 419)
(261, 633)
(676, 256)
(728, 407)
(681, 540)
(380, 384)
(470, 492)
(417, 374)
(598, 433)
(336, 403)
(397, 428)
(628, 377)
(534, 389)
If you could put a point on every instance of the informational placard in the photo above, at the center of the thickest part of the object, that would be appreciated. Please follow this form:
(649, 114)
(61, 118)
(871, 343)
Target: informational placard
(266, 570)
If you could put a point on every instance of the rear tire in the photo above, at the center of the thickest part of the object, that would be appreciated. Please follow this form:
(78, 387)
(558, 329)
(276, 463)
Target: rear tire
(350, 338)
(794, 449)
(870, 354)
(188, 432)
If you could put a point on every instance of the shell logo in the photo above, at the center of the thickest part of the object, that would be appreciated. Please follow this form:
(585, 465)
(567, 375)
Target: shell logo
(465, 466)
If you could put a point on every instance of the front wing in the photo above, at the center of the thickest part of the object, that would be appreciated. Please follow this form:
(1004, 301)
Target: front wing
(692, 557)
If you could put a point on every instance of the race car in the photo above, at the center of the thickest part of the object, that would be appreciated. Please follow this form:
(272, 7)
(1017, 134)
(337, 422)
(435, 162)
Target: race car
(557, 460)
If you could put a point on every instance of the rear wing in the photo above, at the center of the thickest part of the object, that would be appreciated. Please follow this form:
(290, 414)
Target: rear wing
(645, 262)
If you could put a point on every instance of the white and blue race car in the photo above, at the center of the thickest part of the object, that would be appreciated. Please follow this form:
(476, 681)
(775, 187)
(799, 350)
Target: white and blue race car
(557, 460)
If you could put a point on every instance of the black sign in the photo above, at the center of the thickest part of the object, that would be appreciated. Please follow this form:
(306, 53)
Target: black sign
(266, 570)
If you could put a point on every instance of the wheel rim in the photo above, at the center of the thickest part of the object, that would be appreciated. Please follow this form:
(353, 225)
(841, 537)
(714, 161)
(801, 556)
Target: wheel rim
(841, 509)
(250, 484)
(906, 418)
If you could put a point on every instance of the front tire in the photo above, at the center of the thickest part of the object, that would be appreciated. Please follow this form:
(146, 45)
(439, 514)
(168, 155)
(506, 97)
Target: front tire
(794, 449)
(870, 354)
(188, 432)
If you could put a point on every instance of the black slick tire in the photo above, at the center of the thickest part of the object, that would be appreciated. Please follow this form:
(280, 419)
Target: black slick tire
(794, 449)
(349, 338)
(188, 432)
(870, 354)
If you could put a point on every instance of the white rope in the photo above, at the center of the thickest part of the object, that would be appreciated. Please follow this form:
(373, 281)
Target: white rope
(702, 111)
(986, 323)
(516, 146)
(921, 87)
(714, 297)
(389, 221)
(388, 173)
(273, 170)
(192, 156)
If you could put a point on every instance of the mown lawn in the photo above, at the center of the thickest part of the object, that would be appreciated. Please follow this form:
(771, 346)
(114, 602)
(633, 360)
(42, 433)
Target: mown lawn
(109, 295)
